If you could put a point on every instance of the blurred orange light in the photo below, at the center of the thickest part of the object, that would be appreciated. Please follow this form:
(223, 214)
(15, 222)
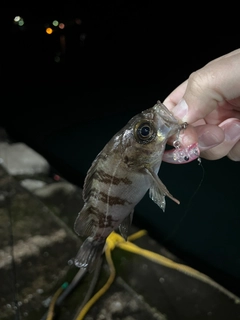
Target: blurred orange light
(49, 30)
(78, 21)
(61, 25)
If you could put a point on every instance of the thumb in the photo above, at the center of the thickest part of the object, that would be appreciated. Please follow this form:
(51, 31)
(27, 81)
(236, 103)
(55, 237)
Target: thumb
(208, 87)
(198, 101)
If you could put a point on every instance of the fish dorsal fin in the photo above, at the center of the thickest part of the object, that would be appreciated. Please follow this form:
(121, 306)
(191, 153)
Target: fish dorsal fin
(158, 191)
(88, 182)
(125, 226)
(98, 167)
(85, 223)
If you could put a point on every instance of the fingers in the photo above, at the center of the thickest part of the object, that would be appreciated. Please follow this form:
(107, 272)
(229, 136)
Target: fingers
(175, 96)
(193, 142)
(237, 51)
(231, 146)
(234, 153)
(182, 155)
(210, 96)
(206, 88)
(209, 136)
(215, 142)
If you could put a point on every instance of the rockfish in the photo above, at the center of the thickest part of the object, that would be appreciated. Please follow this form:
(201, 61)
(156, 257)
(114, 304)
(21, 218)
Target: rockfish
(120, 176)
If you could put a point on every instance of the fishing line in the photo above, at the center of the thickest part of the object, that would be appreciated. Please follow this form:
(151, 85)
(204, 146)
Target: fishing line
(90, 288)
(14, 272)
(78, 277)
(8, 196)
(58, 298)
(177, 225)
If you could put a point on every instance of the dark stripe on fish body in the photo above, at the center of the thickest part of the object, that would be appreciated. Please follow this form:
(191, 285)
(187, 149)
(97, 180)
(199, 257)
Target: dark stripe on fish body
(101, 176)
(106, 198)
(106, 222)
(95, 212)
(112, 200)
(101, 220)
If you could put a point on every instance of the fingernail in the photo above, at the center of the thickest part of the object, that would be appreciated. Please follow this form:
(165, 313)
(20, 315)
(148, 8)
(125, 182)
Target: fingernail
(208, 139)
(232, 132)
(182, 155)
(180, 110)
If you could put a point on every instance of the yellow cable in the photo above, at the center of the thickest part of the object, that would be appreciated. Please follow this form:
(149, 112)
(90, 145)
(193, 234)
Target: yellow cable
(128, 246)
(52, 304)
(136, 235)
(115, 240)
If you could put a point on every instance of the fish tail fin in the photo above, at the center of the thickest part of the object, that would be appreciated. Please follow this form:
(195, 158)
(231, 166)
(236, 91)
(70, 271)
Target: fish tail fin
(89, 254)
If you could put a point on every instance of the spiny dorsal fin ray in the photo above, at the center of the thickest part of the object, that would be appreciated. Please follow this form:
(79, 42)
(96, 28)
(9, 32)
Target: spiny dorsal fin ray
(97, 169)
(89, 179)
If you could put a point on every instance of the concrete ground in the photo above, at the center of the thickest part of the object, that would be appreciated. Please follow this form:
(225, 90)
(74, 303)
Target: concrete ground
(38, 244)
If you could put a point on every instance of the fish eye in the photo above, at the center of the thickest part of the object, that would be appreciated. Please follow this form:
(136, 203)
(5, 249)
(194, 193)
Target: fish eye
(144, 132)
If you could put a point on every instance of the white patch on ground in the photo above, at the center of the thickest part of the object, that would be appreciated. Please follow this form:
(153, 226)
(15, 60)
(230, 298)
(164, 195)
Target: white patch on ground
(19, 159)
(30, 247)
(32, 184)
(53, 188)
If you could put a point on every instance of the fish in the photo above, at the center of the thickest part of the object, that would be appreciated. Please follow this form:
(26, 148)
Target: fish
(120, 176)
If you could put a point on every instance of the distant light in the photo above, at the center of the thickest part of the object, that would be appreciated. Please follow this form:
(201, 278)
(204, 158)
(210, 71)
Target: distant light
(82, 37)
(17, 18)
(55, 23)
(61, 25)
(57, 59)
(49, 30)
(78, 21)
(21, 22)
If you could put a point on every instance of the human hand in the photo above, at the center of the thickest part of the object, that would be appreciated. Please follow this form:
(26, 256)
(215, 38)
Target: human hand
(210, 102)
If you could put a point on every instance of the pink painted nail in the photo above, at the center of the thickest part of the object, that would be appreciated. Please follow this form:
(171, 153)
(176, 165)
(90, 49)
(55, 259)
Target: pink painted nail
(182, 155)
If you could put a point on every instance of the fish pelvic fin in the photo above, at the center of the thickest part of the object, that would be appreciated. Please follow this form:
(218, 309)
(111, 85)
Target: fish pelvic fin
(125, 225)
(86, 222)
(89, 254)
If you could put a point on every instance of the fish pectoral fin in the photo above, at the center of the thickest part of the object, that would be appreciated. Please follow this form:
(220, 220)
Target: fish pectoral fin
(124, 227)
(89, 254)
(84, 224)
(158, 191)
(157, 197)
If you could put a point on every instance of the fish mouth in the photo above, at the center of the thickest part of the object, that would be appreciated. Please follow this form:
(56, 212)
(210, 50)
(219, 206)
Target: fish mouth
(167, 116)
(182, 155)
